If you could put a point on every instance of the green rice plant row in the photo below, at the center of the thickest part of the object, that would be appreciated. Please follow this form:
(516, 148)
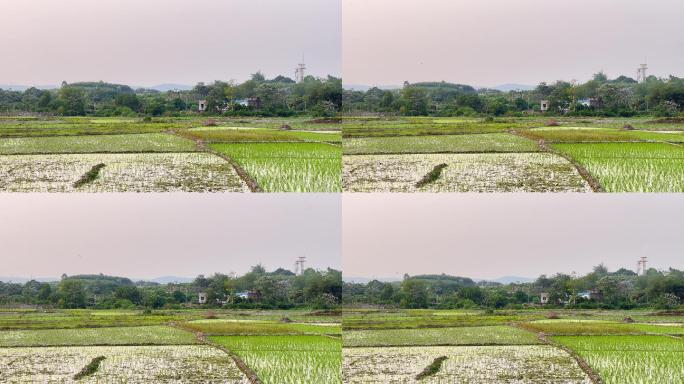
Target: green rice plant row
(564, 327)
(149, 142)
(256, 327)
(488, 335)
(631, 359)
(289, 167)
(490, 142)
(237, 134)
(288, 359)
(152, 335)
(631, 167)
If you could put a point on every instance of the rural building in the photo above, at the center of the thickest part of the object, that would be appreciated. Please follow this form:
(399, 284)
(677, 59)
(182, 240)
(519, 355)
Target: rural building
(202, 105)
(249, 295)
(544, 105)
(544, 298)
(591, 102)
(202, 298)
(254, 102)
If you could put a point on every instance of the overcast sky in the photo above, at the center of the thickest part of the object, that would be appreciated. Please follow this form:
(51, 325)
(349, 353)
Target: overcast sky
(165, 41)
(495, 42)
(153, 235)
(494, 235)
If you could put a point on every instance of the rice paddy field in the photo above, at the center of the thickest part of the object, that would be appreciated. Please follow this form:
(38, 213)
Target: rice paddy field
(169, 154)
(293, 167)
(512, 346)
(531, 154)
(183, 346)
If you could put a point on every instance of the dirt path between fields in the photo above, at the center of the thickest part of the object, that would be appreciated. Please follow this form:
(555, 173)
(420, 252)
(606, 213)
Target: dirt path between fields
(593, 376)
(591, 180)
(251, 375)
(251, 183)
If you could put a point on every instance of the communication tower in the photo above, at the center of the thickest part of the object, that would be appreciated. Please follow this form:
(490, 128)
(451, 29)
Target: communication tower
(299, 265)
(300, 71)
(641, 73)
(641, 266)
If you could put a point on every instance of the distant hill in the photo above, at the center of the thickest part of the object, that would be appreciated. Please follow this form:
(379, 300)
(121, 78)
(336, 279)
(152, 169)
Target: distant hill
(365, 88)
(23, 280)
(171, 279)
(22, 88)
(366, 280)
(512, 279)
(513, 87)
(170, 87)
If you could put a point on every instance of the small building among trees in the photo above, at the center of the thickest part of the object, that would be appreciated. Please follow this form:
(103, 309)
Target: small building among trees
(544, 105)
(544, 297)
(202, 105)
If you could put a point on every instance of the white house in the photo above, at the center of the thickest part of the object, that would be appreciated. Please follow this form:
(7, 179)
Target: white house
(202, 298)
(202, 105)
(544, 105)
(544, 298)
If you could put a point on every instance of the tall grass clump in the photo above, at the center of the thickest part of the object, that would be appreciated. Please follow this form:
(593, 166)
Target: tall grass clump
(431, 369)
(89, 176)
(431, 176)
(89, 369)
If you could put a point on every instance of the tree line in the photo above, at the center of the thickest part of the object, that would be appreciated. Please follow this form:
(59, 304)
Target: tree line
(621, 289)
(258, 96)
(600, 96)
(279, 289)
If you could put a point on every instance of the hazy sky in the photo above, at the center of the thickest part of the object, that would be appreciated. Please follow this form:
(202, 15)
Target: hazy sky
(508, 41)
(148, 236)
(165, 41)
(490, 236)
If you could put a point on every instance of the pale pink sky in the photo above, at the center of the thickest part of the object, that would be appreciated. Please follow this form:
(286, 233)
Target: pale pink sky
(494, 235)
(490, 42)
(153, 235)
(165, 41)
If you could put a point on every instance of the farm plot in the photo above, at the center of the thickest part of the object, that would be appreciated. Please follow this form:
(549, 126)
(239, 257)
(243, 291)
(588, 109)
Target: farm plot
(631, 167)
(631, 359)
(138, 172)
(250, 134)
(493, 172)
(590, 134)
(289, 167)
(288, 359)
(490, 335)
(483, 364)
(584, 327)
(152, 335)
(148, 142)
(486, 142)
(121, 364)
(256, 327)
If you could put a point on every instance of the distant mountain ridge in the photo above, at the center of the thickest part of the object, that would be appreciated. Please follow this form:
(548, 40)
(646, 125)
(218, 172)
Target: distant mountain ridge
(160, 87)
(502, 280)
(502, 87)
(158, 280)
